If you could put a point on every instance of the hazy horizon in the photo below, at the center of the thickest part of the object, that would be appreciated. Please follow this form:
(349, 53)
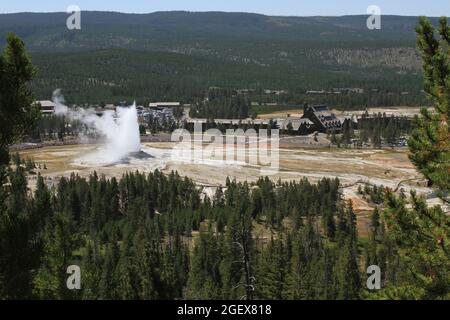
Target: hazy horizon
(296, 8)
(212, 11)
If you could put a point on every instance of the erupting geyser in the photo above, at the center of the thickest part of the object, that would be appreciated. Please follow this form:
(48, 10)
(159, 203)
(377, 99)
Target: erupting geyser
(119, 130)
(121, 134)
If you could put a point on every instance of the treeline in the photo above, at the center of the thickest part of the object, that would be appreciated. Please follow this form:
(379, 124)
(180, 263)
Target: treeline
(56, 127)
(115, 75)
(382, 127)
(28, 164)
(377, 129)
(358, 101)
(221, 104)
(159, 237)
(162, 124)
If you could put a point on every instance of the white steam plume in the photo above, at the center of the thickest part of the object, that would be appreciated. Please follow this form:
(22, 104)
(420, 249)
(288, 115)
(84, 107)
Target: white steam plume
(120, 129)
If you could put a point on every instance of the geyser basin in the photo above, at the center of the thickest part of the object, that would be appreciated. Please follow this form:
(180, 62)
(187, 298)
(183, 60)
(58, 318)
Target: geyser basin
(101, 157)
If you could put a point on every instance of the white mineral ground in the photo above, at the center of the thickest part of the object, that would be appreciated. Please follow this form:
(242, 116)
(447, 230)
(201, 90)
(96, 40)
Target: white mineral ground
(387, 167)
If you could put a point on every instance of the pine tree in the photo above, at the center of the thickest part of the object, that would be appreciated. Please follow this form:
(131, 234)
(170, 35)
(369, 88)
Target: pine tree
(59, 243)
(231, 267)
(423, 237)
(42, 201)
(272, 273)
(204, 280)
(422, 233)
(307, 264)
(347, 270)
(430, 141)
(108, 282)
(18, 114)
(329, 224)
(19, 243)
(91, 270)
(374, 234)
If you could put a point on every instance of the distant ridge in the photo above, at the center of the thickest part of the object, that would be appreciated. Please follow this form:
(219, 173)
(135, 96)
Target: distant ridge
(47, 31)
(164, 55)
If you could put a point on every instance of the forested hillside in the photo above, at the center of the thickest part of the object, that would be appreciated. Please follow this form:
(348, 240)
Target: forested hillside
(152, 237)
(178, 55)
(169, 30)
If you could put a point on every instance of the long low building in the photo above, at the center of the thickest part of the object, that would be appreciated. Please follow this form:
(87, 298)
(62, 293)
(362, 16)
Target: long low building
(315, 118)
(46, 106)
(230, 121)
(163, 104)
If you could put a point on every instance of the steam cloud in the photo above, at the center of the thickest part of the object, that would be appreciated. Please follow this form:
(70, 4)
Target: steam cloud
(120, 129)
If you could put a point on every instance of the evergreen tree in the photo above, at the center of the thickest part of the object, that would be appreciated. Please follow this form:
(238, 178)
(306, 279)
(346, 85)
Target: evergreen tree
(273, 270)
(108, 282)
(19, 238)
(59, 243)
(204, 280)
(347, 270)
(18, 114)
(307, 264)
(430, 141)
(422, 233)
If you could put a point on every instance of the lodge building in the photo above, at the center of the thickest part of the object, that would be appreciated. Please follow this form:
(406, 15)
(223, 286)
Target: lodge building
(324, 120)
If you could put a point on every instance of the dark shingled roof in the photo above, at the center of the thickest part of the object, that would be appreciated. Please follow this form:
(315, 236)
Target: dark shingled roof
(324, 116)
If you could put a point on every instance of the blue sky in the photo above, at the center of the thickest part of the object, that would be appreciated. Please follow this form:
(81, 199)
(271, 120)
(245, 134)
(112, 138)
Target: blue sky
(272, 7)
